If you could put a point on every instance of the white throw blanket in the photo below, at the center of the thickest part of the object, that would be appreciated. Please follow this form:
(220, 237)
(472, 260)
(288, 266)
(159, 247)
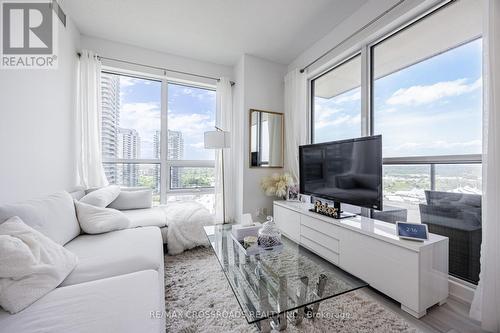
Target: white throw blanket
(185, 222)
(31, 265)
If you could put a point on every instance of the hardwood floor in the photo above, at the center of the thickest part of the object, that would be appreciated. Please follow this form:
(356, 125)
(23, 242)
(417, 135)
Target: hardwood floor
(451, 317)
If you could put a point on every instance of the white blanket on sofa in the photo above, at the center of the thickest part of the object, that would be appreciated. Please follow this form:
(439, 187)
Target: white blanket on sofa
(185, 222)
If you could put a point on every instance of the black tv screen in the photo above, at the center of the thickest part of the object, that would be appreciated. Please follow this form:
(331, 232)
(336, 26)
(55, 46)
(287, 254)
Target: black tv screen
(347, 171)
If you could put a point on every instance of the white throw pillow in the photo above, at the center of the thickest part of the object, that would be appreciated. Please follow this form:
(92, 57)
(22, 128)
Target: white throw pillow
(31, 265)
(53, 215)
(102, 197)
(134, 199)
(97, 220)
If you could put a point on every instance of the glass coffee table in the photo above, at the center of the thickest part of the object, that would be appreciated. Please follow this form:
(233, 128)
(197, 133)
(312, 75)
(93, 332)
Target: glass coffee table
(280, 285)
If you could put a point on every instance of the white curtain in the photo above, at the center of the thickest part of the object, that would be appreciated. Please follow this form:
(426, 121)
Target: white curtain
(224, 120)
(486, 304)
(89, 161)
(296, 119)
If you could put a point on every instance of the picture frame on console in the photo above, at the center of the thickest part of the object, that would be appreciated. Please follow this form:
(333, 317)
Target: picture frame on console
(292, 193)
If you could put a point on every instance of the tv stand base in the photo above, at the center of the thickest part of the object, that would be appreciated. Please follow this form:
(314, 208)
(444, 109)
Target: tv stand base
(343, 215)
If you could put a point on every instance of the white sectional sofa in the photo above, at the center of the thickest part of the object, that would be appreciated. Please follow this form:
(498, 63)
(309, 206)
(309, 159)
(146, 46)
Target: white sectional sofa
(118, 284)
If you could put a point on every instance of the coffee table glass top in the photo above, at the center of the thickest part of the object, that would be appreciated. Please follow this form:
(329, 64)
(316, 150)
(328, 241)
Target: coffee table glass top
(277, 281)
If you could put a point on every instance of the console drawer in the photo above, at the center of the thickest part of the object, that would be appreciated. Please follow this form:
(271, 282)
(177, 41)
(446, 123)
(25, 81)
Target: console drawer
(324, 240)
(321, 226)
(319, 250)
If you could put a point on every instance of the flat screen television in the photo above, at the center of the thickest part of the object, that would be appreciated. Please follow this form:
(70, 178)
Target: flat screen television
(346, 171)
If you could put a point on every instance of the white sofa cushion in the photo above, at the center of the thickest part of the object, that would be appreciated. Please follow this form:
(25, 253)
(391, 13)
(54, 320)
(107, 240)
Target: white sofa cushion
(115, 253)
(135, 199)
(31, 265)
(154, 216)
(118, 304)
(102, 197)
(97, 220)
(54, 216)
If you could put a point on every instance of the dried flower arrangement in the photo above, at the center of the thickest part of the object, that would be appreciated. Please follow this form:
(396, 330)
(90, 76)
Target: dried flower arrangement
(276, 185)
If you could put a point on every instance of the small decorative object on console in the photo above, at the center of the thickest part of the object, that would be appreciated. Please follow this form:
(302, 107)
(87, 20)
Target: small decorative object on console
(412, 231)
(269, 234)
(292, 193)
(249, 241)
(324, 209)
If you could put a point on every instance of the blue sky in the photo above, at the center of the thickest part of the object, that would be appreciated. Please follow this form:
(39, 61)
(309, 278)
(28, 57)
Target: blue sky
(190, 110)
(431, 108)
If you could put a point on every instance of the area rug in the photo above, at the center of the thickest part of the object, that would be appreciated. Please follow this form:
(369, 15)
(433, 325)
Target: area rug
(199, 299)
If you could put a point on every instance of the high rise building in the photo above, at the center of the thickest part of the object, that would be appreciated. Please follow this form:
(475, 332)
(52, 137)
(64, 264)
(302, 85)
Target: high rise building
(175, 152)
(110, 96)
(129, 147)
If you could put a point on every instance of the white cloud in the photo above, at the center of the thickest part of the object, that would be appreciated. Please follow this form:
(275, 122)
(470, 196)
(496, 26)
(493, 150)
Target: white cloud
(419, 94)
(127, 81)
(348, 97)
(324, 112)
(143, 117)
(345, 119)
(438, 144)
(190, 124)
(198, 145)
(200, 94)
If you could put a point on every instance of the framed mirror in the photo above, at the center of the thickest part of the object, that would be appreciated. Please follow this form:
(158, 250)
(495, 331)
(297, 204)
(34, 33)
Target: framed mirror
(266, 139)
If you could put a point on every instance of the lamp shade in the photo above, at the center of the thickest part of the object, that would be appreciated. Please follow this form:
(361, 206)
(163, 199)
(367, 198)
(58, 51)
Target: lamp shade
(217, 140)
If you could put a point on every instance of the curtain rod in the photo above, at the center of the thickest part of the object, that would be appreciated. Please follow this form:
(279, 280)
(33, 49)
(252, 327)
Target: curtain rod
(352, 35)
(159, 68)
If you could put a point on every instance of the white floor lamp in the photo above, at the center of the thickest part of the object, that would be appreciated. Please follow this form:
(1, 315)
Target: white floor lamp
(219, 139)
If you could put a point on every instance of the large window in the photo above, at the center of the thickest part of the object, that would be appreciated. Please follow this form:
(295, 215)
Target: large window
(337, 102)
(141, 149)
(425, 99)
(130, 127)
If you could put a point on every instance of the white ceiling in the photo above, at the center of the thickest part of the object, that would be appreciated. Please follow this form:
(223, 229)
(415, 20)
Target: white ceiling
(218, 31)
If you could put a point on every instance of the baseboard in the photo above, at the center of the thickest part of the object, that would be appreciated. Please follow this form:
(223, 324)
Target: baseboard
(461, 290)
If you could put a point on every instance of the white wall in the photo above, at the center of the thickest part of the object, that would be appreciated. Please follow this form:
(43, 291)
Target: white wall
(36, 125)
(259, 86)
(139, 55)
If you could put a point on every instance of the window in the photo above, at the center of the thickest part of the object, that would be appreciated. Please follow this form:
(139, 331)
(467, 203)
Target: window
(337, 103)
(139, 150)
(191, 112)
(427, 104)
(130, 126)
(425, 98)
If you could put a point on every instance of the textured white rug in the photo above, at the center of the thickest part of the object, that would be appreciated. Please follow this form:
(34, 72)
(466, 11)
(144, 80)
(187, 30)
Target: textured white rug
(198, 299)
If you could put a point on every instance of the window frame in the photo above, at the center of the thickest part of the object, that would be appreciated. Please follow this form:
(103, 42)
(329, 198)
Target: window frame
(367, 95)
(163, 162)
(345, 60)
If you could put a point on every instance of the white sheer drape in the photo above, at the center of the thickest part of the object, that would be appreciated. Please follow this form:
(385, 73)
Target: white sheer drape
(486, 304)
(224, 119)
(89, 161)
(275, 139)
(295, 119)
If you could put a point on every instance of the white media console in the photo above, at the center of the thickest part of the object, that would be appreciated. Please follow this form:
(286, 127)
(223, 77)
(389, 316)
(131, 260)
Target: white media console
(412, 273)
